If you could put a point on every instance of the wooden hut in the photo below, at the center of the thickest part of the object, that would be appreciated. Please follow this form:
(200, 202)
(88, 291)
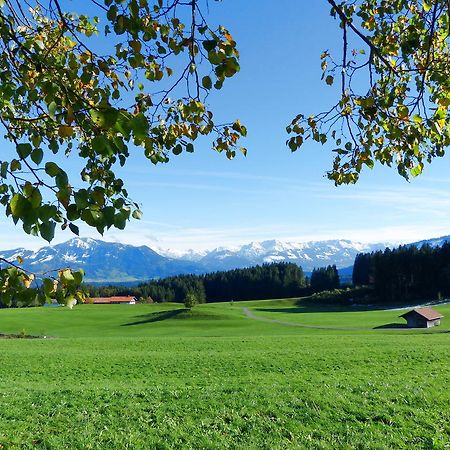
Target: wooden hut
(422, 318)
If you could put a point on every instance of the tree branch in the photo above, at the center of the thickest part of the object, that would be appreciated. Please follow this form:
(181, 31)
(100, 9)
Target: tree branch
(373, 47)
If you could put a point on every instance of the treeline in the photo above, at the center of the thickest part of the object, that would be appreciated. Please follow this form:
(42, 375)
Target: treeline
(406, 273)
(276, 280)
(325, 279)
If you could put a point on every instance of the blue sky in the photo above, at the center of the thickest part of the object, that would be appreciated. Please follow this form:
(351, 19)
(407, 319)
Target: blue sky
(202, 200)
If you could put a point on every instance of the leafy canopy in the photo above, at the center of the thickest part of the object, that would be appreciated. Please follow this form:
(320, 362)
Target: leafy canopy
(394, 90)
(137, 74)
(60, 94)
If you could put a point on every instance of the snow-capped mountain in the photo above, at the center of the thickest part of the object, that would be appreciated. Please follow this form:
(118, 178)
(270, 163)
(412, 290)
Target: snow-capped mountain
(306, 254)
(435, 242)
(106, 262)
(102, 261)
(187, 255)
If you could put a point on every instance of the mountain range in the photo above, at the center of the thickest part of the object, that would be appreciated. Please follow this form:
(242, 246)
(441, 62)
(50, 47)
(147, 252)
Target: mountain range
(103, 262)
(306, 254)
(108, 262)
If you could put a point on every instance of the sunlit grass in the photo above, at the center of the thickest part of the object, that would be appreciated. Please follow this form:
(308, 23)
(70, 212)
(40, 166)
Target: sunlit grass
(157, 376)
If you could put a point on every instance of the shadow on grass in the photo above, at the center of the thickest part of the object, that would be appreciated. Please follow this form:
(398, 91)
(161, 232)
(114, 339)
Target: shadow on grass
(311, 308)
(155, 317)
(391, 325)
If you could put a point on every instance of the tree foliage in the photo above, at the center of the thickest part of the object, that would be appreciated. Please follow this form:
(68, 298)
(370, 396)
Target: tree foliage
(134, 75)
(138, 72)
(325, 278)
(275, 280)
(190, 300)
(62, 92)
(405, 274)
(394, 98)
(22, 288)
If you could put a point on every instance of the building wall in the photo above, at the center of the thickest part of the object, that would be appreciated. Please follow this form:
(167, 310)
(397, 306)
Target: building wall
(417, 322)
(420, 322)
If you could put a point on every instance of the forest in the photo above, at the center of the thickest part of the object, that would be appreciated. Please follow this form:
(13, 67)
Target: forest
(276, 280)
(406, 273)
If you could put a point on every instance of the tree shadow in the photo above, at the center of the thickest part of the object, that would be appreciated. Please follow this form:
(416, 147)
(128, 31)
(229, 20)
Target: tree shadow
(314, 309)
(391, 326)
(155, 317)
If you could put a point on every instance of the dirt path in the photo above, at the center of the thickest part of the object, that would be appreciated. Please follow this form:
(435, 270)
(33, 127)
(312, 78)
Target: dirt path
(251, 315)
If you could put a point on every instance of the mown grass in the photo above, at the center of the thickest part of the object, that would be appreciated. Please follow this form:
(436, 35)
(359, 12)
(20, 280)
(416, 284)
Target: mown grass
(329, 316)
(147, 376)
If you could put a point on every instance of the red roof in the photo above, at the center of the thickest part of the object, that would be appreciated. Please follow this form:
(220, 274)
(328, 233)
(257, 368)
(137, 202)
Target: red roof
(427, 313)
(116, 299)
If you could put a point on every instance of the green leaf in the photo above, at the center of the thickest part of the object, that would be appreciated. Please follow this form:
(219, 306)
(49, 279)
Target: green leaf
(4, 169)
(52, 109)
(369, 163)
(120, 220)
(37, 155)
(81, 199)
(98, 196)
(15, 165)
(49, 286)
(104, 118)
(209, 45)
(139, 125)
(112, 13)
(47, 230)
(78, 276)
(72, 212)
(74, 229)
(52, 169)
(61, 180)
(416, 171)
(66, 276)
(177, 149)
(47, 212)
(18, 205)
(35, 198)
(119, 26)
(24, 150)
(206, 82)
(137, 214)
(99, 143)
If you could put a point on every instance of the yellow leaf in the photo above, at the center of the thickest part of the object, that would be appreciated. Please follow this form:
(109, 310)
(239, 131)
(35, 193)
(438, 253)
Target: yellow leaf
(444, 101)
(403, 112)
(65, 131)
(70, 117)
(27, 280)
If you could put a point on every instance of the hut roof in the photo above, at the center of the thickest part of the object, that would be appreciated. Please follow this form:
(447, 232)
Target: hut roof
(427, 313)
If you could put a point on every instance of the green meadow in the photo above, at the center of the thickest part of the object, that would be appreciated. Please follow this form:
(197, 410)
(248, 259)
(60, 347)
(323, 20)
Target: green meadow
(158, 377)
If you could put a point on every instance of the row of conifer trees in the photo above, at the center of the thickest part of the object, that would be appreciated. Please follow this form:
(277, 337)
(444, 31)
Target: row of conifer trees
(276, 280)
(405, 273)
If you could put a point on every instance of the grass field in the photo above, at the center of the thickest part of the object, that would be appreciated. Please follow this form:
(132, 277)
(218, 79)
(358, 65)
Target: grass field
(154, 376)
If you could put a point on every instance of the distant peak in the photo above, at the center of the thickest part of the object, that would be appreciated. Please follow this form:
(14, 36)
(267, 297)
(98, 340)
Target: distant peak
(81, 242)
